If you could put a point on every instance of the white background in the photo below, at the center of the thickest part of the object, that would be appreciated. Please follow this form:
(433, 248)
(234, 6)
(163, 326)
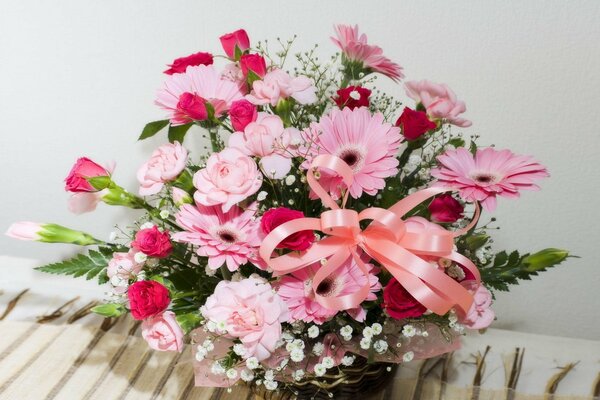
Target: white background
(78, 78)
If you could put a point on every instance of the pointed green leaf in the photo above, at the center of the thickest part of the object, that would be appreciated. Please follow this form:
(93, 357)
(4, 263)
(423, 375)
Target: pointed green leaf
(177, 133)
(91, 265)
(153, 128)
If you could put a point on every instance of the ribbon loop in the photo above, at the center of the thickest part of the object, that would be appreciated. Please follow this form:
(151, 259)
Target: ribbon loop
(407, 255)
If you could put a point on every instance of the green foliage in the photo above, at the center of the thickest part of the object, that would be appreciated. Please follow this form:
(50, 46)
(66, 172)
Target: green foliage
(90, 265)
(109, 309)
(177, 133)
(506, 269)
(153, 128)
(189, 321)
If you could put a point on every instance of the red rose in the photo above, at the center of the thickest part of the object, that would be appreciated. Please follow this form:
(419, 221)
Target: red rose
(398, 303)
(255, 63)
(153, 242)
(276, 216)
(238, 39)
(191, 107)
(242, 112)
(147, 299)
(352, 97)
(414, 123)
(83, 169)
(180, 64)
(445, 208)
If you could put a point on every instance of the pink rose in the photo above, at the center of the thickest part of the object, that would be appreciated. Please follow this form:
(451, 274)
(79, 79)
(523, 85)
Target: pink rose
(84, 169)
(242, 112)
(229, 177)
(255, 63)
(165, 165)
(180, 64)
(147, 299)
(190, 107)
(274, 217)
(439, 101)
(251, 312)
(268, 139)
(238, 39)
(163, 333)
(153, 242)
(277, 85)
(445, 209)
(480, 315)
(121, 268)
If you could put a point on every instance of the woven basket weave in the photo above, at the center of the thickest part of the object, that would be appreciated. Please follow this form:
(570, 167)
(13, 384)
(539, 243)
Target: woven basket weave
(348, 383)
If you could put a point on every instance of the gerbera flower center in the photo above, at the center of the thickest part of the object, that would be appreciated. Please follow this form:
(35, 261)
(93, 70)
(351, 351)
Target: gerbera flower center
(485, 178)
(227, 235)
(326, 288)
(353, 156)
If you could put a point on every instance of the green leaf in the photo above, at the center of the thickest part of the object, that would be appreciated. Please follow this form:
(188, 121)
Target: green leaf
(477, 241)
(189, 321)
(177, 133)
(91, 265)
(252, 76)
(457, 142)
(153, 128)
(109, 309)
(473, 148)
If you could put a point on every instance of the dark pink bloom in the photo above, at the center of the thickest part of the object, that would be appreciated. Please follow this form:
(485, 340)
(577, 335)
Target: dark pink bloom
(352, 97)
(180, 64)
(276, 216)
(153, 242)
(83, 169)
(400, 304)
(147, 299)
(242, 112)
(255, 63)
(446, 209)
(414, 124)
(190, 107)
(238, 39)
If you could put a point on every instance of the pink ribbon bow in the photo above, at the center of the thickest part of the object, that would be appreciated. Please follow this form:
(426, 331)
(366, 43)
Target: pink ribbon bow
(385, 239)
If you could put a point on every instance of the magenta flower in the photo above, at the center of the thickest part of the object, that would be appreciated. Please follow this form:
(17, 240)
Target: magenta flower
(355, 48)
(365, 142)
(297, 292)
(488, 174)
(231, 238)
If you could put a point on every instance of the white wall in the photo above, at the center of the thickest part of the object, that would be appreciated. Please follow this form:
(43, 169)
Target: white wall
(77, 77)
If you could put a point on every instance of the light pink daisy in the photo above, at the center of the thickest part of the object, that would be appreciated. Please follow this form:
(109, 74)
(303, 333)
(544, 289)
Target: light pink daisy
(203, 82)
(297, 292)
(230, 238)
(355, 48)
(490, 173)
(365, 142)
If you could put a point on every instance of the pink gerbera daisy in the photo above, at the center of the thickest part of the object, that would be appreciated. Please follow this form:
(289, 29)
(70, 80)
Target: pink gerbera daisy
(355, 48)
(297, 292)
(199, 83)
(487, 174)
(365, 142)
(230, 238)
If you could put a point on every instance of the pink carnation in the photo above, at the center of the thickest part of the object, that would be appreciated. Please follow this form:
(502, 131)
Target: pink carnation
(266, 138)
(230, 238)
(200, 82)
(163, 333)
(297, 291)
(356, 49)
(251, 312)
(480, 315)
(488, 174)
(165, 165)
(228, 178)
(365, 142)
(277, 85)
(439, 101)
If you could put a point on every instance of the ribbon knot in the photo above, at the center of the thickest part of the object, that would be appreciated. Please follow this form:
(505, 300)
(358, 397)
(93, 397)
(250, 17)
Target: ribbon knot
(404, 253)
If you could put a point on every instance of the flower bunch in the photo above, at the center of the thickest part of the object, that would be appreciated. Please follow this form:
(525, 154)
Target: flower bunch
(326, 224)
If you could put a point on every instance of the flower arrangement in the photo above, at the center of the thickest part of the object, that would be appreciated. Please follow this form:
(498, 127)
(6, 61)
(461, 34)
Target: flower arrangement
(326, 225)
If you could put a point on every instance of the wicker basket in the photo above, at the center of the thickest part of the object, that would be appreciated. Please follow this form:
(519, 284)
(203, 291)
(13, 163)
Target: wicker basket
(348, 383)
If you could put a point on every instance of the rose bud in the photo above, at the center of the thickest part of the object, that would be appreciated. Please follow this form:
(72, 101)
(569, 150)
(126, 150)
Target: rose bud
(235, 39)
(352, 97)
(180, 64)
(241, 113)
(276, 216)
(255, 63)
(414, 124)
(147, 299)
(190, 107)
(84, 169)
(153, 242)
(400, 304)
(445, 209)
